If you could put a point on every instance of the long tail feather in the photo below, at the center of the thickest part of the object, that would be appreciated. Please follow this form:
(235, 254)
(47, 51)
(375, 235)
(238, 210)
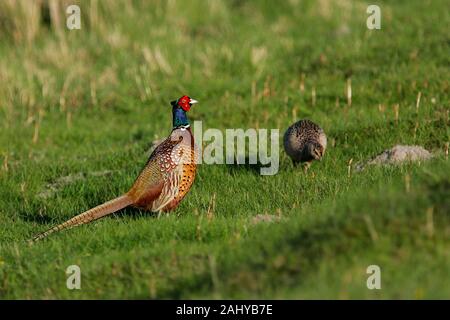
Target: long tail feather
(90, 215)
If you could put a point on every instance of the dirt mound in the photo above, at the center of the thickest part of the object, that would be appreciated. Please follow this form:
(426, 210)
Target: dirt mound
(398, 154)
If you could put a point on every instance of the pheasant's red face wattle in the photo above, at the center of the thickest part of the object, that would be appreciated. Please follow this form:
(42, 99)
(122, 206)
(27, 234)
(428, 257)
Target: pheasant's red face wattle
(184, 103)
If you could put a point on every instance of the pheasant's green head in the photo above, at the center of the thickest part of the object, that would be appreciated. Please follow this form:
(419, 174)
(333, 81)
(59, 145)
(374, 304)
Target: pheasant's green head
(179, 109)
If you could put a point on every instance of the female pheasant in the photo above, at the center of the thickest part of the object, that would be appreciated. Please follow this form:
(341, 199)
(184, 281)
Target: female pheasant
(165, 179)
(305, 141)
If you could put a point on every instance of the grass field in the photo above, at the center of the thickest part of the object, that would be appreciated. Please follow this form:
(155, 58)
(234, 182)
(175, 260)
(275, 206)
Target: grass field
(79, 110)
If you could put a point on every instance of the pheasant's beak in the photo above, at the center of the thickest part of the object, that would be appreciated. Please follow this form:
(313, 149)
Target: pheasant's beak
(192, 101)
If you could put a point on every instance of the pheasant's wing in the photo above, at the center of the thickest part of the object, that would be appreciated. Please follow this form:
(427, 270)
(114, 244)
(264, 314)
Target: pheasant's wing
(171, 164)
(150, 183)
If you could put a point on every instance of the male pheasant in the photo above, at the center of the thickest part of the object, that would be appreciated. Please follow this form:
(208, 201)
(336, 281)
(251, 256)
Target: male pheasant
(305, 141)
(165, 179)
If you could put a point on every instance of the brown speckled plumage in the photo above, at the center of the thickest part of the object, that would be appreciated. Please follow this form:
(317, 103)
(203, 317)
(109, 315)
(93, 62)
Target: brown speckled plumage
(168, 174)
(305, 141)
(164, 181)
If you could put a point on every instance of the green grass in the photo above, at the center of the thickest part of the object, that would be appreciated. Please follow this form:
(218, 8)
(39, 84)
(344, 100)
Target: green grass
(93, 100)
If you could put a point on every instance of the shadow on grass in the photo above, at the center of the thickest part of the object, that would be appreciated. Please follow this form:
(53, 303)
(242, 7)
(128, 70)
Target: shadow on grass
(236, 168)
(44, 219)
(36, 218)
(135, 213)
(285, 164)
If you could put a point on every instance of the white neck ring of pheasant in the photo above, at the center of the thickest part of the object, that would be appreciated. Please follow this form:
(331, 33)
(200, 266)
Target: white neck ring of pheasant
(180, 108)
